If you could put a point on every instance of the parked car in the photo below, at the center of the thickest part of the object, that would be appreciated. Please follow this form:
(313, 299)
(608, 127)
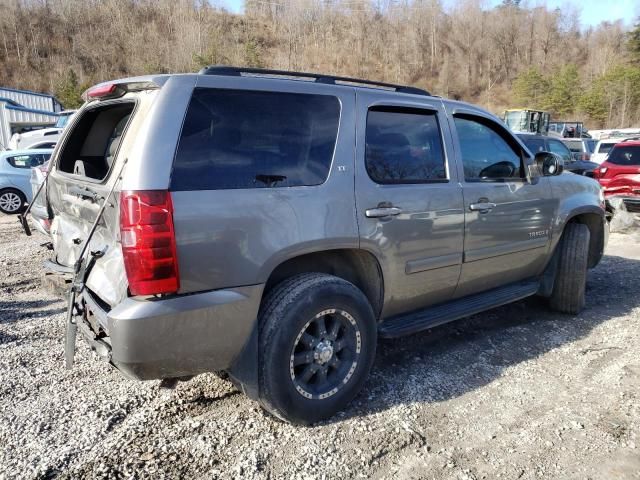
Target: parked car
(619, 175)
(539, 143)
(603, 147)
(41, 138)
(581, 149)
(15, 170)
(274, 224)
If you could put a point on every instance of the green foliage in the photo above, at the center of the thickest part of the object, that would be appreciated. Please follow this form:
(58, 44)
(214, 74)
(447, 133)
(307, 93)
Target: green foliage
(252, 54)
(531, 89)
(69, 91)
(633, 43)
(564, 91)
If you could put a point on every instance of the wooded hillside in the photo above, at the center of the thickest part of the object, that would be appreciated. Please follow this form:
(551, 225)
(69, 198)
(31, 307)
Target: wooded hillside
(508, 56)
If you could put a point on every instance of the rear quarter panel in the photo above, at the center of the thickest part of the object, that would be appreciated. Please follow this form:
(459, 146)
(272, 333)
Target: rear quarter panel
(237, 237)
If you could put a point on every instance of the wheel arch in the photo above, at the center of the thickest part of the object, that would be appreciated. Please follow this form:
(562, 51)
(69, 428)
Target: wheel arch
(595, 221)
(354, 265)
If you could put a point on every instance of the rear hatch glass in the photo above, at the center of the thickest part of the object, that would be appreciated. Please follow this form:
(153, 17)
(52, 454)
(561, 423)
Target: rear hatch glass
(625, 156)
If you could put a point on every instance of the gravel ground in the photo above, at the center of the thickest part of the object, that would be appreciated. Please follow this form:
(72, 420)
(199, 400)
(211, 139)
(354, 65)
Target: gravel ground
(518, 392)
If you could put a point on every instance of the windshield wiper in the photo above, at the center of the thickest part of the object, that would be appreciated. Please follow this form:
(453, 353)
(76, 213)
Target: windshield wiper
(270, 180)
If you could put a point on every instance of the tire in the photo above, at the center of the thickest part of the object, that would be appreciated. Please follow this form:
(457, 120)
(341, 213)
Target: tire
(12, 201)
(568, 295)
(303, 376)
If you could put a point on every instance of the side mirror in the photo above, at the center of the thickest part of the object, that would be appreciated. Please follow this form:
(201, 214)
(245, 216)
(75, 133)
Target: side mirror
(548, 163)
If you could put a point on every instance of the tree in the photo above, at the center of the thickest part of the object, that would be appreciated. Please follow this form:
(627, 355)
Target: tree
(564, 91)
(633, 43)
(69, 91)
(531, 88)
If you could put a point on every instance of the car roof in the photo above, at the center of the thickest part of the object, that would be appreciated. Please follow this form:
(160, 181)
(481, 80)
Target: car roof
(630, 143)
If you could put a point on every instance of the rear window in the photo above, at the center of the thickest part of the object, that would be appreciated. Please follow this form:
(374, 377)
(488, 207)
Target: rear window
(605, 147)
(534, 144)
(237, 139)
(91, 146)
(575, 147)
(628, 155)
(28, 161)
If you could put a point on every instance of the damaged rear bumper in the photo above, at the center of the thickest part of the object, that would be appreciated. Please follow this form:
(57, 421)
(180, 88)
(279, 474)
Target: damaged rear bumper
(152, 338)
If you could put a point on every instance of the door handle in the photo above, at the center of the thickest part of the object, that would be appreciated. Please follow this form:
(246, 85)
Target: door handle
(482, 207)
(380, 212)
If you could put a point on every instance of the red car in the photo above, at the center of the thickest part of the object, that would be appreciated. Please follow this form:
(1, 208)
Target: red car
(619, 175)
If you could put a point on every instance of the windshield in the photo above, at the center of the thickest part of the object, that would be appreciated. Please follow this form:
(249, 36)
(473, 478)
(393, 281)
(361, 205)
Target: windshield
(516, 121)
(629, 155)
(63, 119)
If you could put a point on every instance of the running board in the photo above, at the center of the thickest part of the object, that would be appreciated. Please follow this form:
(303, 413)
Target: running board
(456, 309)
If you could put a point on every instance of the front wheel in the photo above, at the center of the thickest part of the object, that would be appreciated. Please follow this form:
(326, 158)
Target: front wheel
(12, 201)
(317, 345)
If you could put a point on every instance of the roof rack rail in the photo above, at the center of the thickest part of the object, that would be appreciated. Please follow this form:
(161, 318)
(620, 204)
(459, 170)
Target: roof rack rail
(317, 77)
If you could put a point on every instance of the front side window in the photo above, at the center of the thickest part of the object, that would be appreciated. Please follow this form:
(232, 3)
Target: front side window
(404, 146)
(559, 148)
(28, 161)
(488, 154)
(628, 155)
(238, 139)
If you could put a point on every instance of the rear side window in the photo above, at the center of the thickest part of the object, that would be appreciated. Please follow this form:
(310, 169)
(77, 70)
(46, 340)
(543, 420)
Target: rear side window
(625, 155)
(559, 148)
(28, 161)
(235, 139)
(404, 146)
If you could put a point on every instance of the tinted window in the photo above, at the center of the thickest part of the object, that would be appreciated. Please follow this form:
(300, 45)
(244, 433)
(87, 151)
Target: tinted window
(534, 144)
(486, 153)
(605, 147)
(404, 146)
(574, 146)
(628, 155)
(28, 161)
(248, 139)
(591, 145)
(559, 148)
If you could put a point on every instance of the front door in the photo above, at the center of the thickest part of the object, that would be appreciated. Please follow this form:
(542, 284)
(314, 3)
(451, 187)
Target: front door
(409, 201)
(508, 213)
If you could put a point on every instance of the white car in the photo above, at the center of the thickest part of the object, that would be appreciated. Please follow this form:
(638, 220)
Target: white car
(42, 138)
(603, 148)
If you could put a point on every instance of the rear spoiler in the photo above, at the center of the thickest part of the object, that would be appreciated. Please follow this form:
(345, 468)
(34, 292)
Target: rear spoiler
(118, 88)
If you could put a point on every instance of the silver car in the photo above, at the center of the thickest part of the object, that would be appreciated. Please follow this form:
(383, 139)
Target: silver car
(274, 224)
(15, 173)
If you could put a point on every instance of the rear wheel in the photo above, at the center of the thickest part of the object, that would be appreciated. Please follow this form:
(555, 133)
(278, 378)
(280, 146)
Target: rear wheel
(568, 294)
(12, 201)
(317, 345)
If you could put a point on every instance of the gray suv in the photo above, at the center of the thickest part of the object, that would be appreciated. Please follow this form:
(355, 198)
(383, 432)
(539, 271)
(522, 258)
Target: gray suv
(273, 225)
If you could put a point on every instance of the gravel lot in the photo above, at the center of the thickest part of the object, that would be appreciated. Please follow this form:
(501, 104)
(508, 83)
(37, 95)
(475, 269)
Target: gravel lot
(517, 392)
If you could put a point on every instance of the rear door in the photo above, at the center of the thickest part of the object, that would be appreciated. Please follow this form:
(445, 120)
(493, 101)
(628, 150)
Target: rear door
(408, 199)
(507, 215)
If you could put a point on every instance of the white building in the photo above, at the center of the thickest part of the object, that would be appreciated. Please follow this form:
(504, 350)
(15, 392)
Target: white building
(21, 109)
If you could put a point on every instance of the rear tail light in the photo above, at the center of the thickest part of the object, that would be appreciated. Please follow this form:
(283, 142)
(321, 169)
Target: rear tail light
(149, 242)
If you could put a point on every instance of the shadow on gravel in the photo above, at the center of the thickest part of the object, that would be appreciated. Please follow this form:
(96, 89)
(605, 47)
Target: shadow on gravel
(13, 310)
(449, 361)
